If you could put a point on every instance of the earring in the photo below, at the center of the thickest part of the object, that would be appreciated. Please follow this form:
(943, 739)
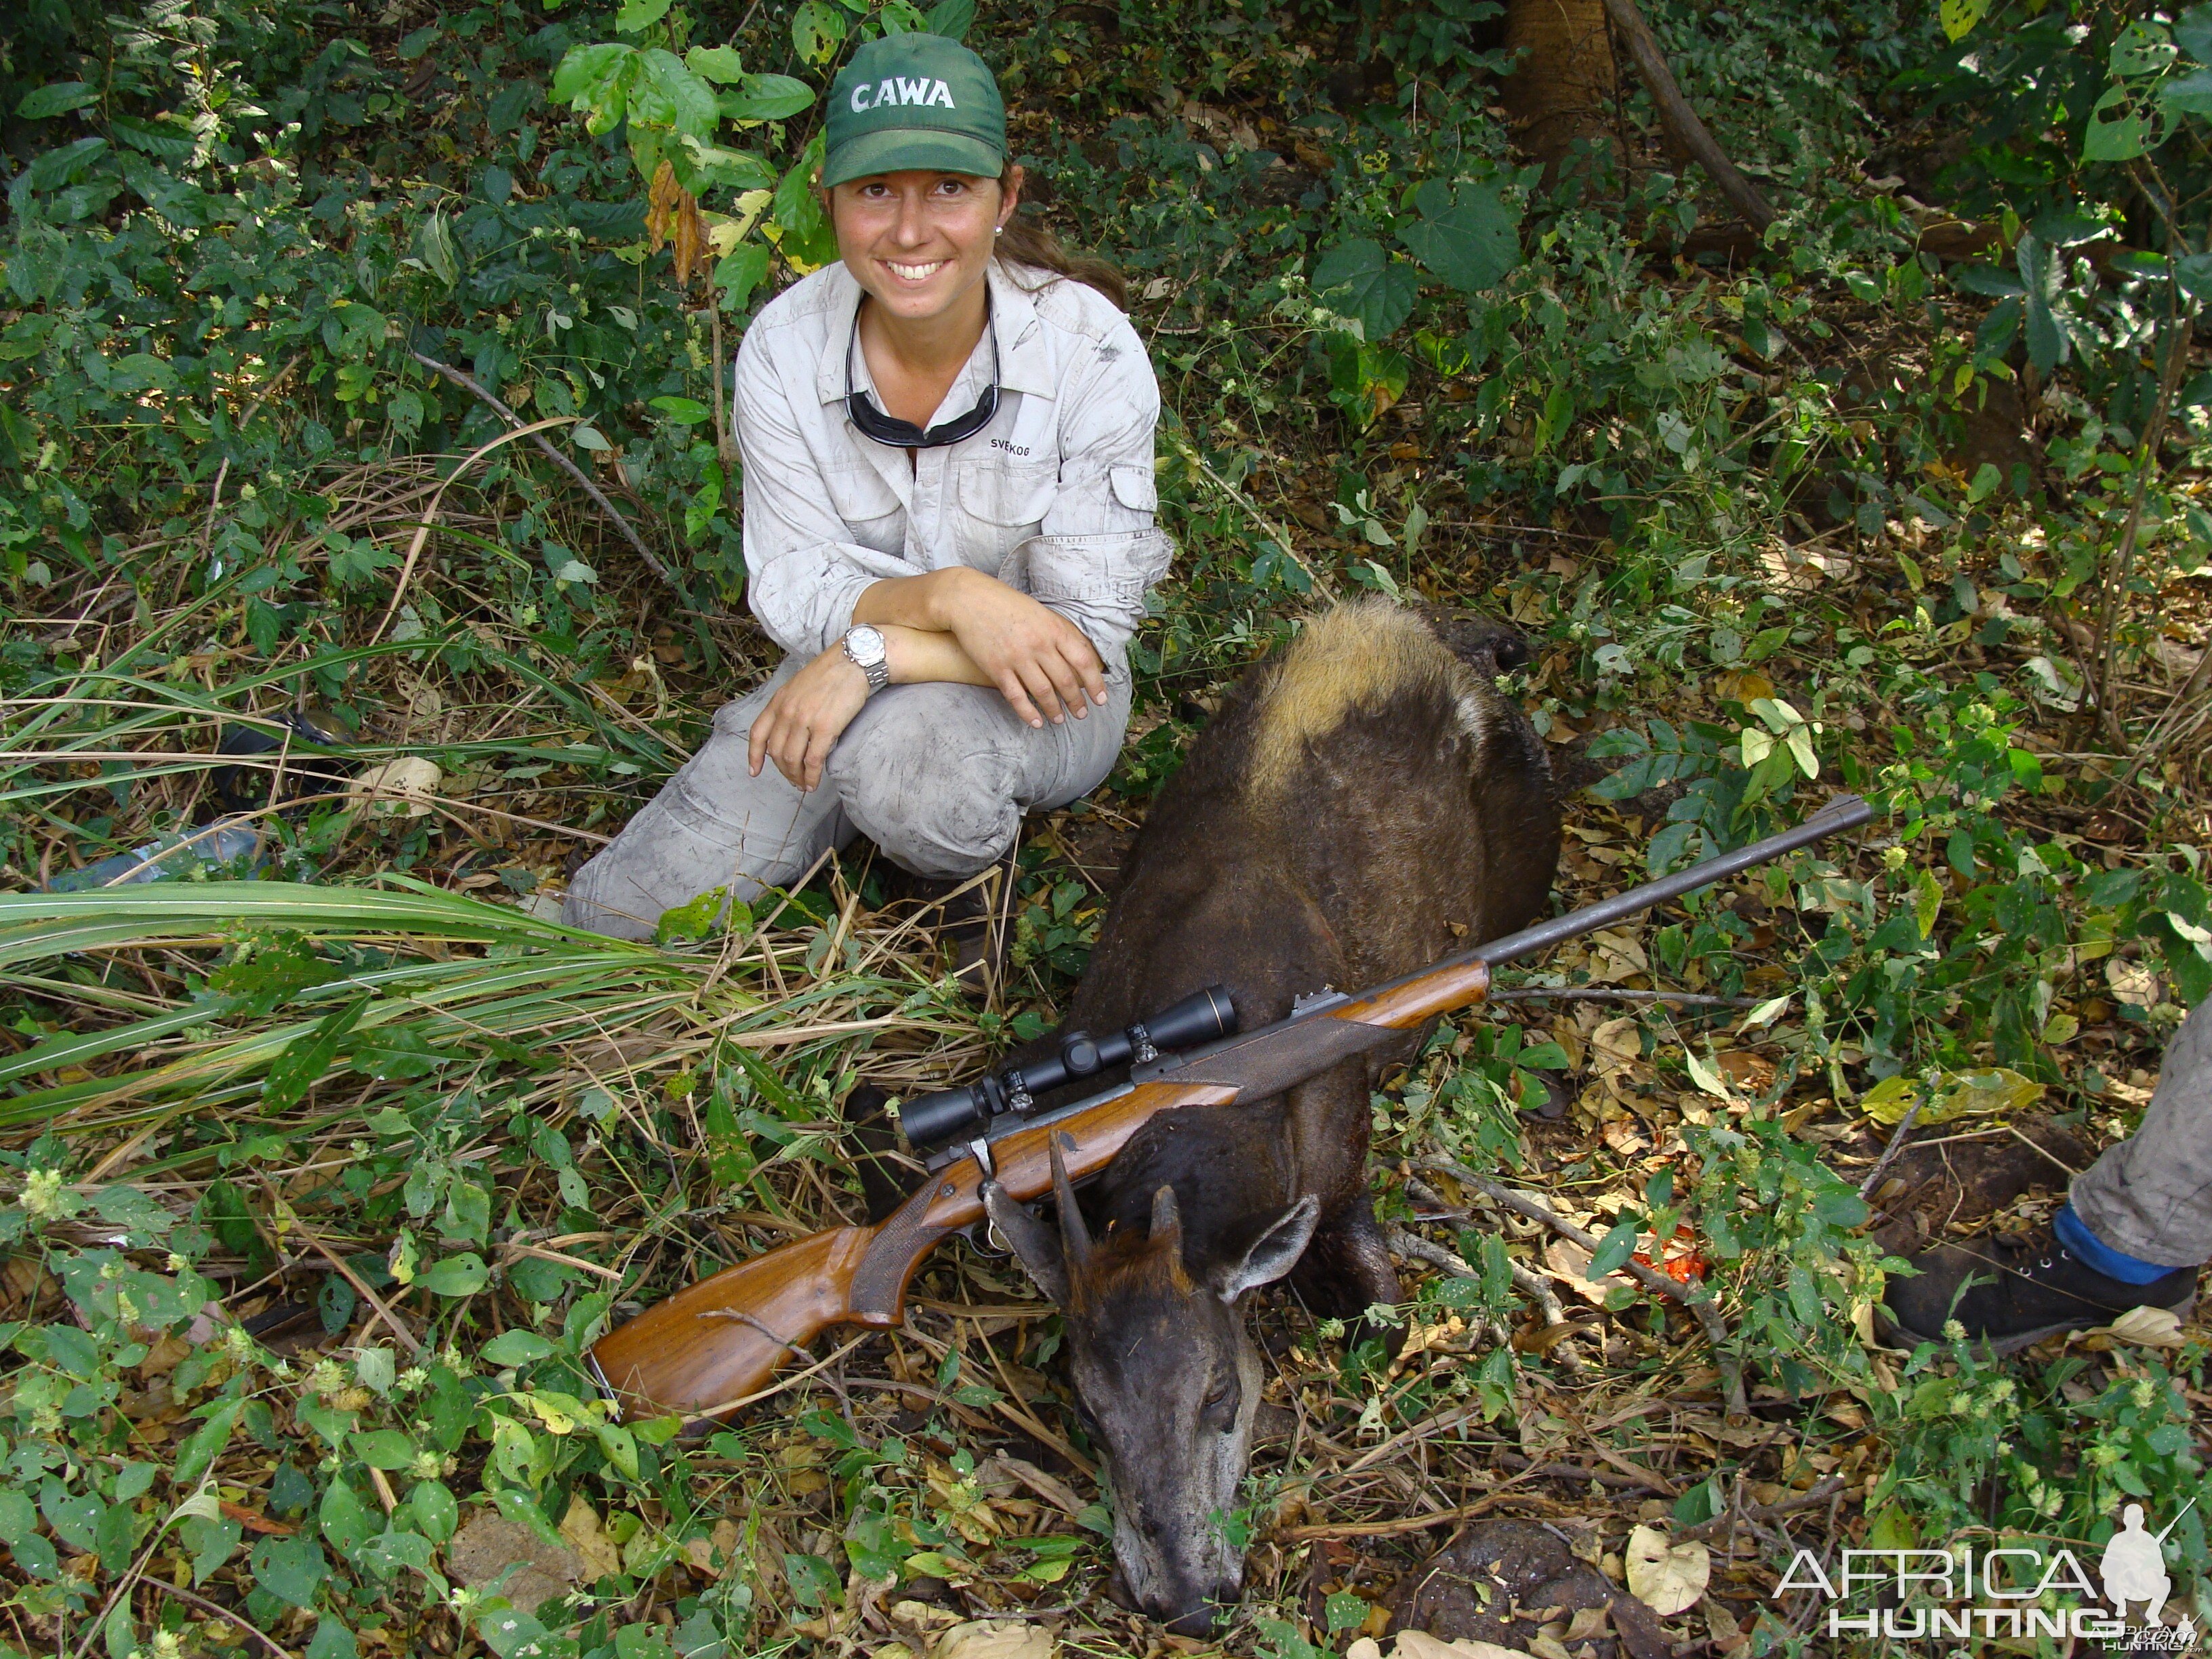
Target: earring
(998, 231)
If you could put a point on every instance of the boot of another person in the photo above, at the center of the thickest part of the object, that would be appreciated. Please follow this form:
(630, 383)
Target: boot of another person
(977, 924)
(2019, 1293)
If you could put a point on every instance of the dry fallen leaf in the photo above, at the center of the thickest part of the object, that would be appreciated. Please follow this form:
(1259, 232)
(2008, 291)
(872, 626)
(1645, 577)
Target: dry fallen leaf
(397, 786)
(1419, 1644)
(1727, 1636)
(2147, 1328)
(1568, 1263)
(2131, 982)
(1616, 955)
(580, 1530)
(994, 1638)
(1667, 1578)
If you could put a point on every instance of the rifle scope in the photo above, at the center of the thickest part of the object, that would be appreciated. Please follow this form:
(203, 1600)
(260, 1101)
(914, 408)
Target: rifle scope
(930, 1120)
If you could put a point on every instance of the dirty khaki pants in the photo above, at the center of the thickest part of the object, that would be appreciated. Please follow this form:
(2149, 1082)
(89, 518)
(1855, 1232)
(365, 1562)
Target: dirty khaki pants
(937, 775)
(2150, 1197)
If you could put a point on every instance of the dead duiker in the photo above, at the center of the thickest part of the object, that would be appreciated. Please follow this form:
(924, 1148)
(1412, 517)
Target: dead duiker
(1365, 804)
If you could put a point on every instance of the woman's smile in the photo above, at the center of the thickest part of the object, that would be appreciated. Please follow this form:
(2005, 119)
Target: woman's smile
(914, 274)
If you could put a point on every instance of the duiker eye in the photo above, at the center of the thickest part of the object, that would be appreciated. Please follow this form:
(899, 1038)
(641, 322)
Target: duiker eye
(1219, 1409)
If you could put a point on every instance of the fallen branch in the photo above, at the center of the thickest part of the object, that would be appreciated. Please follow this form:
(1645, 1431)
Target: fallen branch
(562, 461)
(1817, 1494)
(1692, 1297)
(1680, 121)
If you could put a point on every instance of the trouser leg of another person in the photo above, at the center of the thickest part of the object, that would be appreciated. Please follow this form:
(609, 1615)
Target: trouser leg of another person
(712, 825)
(2137, 1227)
(2149, 1198)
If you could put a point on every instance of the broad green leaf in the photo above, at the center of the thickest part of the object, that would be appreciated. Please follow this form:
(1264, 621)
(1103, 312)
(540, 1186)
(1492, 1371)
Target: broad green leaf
(305, 1060)
(1360, 280)
(767, 98)
(590, 77)
(1926, 902)
(951, 18)
(2142, 49)
(667, 94)
(741, 270)
(457, 1275)
(2111, 136)
(1613, 1249)
(2195, 275)
(435, 1510)
(438, 253)
(1470, 237)
(1986, 280)
(818, 29)
(619, 1445)
(56, 98)
(2192, 31)
(290, 1568)
(637, 15)
(515, 1347)
(1959, 16)
(2191, 93)
(205, 1444)
(719, 64)
(383, 1449)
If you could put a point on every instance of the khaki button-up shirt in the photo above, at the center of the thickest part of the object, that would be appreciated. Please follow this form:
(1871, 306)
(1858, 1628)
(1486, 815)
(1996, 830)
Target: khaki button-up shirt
(1055, 497)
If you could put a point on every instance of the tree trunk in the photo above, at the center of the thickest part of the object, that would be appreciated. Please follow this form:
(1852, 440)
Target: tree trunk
(1564, 87)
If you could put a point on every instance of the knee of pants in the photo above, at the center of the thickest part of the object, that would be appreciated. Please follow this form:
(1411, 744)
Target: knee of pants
(934, 809)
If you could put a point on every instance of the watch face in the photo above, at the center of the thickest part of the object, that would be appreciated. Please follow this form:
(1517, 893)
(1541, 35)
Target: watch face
(866, 644)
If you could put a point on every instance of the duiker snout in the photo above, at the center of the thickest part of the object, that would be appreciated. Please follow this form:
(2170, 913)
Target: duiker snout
(1181, 1610)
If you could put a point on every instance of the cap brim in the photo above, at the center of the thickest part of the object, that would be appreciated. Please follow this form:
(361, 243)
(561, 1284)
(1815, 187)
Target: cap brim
(899, 150)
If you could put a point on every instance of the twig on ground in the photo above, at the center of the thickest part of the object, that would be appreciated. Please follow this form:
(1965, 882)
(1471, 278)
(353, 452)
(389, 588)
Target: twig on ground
(1828, 1486)
(220, 1611)
(598, 496)
(1681, 121)
(407, 1338)
(1896, 1145)
(1699, 1303)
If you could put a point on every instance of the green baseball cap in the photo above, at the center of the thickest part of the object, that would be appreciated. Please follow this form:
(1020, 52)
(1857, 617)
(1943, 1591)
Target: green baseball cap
(914, 101)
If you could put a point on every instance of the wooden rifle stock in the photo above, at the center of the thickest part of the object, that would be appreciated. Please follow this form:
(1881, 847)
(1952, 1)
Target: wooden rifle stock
(710, 1348)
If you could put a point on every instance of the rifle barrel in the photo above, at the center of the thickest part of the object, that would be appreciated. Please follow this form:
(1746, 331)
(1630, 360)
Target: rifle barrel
(1843, 812)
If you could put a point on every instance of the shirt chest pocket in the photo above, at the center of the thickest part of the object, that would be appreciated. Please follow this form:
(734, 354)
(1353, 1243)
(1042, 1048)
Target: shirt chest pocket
(1002, 507)
(869, 507)
(1009, 495)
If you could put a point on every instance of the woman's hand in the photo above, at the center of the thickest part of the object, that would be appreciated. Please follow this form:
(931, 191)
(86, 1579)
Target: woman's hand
(1037, 658)
(806, 716)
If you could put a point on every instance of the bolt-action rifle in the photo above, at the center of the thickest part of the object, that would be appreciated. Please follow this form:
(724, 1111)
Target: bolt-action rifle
(705, 1349)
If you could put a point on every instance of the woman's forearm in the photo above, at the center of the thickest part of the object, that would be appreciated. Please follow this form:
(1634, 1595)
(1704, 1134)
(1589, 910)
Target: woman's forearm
(925, 601)
(916, 655)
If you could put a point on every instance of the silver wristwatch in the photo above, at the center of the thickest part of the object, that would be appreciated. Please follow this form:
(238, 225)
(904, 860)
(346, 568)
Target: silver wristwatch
(864, 649)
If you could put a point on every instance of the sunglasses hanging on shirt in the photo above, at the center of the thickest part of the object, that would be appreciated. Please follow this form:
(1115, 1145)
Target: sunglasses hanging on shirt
(889, 429)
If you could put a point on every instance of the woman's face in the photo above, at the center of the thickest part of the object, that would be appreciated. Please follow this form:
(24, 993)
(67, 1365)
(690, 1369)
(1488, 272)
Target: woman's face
(919, 240)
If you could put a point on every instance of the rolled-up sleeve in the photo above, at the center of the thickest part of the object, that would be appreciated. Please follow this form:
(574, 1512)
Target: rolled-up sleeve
(803, 577)
(1099, 549)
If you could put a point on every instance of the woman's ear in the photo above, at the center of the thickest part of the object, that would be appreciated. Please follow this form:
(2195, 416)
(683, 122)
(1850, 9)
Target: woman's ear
(1009, 194)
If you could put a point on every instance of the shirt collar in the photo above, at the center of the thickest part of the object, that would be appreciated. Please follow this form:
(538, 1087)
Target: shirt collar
(1026, 359)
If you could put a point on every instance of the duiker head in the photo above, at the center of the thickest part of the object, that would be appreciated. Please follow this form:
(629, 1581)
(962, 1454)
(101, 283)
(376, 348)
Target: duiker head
(1166, 1382)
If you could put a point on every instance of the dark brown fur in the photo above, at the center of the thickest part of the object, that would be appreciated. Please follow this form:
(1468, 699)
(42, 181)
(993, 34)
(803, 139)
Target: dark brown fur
(1361, 806)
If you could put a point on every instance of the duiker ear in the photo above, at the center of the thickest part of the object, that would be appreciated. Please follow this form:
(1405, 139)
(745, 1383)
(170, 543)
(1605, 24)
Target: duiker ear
(1275, 1252)
(1035, 1245)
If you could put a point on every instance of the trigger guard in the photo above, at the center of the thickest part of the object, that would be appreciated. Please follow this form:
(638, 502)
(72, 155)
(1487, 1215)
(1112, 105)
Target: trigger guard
(984, 1237)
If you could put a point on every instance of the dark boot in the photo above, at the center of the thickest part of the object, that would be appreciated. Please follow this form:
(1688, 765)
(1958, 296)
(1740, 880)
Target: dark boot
(978, 923)
(2018, 1293)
